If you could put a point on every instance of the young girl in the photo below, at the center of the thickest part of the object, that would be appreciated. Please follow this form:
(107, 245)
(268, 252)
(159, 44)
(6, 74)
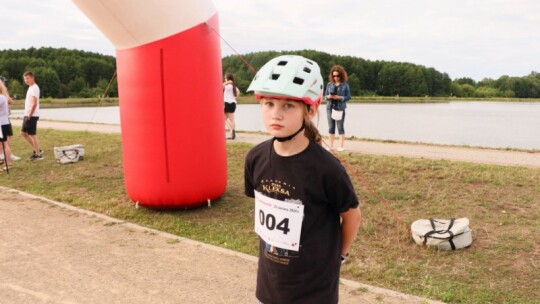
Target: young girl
(5, 124)
(230, 91)
(306, 209)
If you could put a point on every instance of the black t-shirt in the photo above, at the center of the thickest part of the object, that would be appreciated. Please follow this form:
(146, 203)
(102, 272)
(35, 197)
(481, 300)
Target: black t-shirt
(316, 179)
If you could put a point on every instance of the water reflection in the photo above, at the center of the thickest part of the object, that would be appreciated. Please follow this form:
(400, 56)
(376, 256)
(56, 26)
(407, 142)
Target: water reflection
(487, 124)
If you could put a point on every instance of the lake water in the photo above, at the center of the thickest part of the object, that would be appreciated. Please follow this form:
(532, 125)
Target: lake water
(486, 124)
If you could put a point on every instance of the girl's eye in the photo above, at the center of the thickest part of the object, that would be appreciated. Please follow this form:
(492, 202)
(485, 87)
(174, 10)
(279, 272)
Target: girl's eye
(289, 106)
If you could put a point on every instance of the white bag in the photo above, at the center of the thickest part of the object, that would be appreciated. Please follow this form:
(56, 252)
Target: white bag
(337, 115)
(69, 154)
(443, 234)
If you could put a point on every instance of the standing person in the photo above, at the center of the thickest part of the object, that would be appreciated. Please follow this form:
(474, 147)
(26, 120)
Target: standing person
(306, 209)
(31, 116)
(337, 94)
(230, 91)
(5, 125)
(13, 156)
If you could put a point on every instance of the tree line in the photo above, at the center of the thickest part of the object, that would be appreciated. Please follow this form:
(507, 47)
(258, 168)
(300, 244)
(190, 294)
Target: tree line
(59, 72)
(389, 78)
(64, 73)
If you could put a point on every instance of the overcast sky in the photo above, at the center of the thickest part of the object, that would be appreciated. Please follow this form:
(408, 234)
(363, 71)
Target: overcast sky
(468, 38)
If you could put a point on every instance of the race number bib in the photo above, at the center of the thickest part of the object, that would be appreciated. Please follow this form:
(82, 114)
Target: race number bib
(278, 223)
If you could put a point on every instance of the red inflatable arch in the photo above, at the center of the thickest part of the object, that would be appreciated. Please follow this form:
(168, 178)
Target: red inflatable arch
(171, 103)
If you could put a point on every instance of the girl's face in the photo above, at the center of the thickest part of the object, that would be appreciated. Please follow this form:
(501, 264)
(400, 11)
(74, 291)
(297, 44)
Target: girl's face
(282, 117)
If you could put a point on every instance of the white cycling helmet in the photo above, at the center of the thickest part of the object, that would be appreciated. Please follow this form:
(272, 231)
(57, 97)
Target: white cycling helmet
(289, 77)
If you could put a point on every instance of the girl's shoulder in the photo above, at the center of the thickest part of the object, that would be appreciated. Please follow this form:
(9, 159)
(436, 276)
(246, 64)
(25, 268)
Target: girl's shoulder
(261, 148)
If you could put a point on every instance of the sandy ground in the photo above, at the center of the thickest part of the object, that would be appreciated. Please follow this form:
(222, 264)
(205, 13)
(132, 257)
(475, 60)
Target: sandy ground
(55, 253)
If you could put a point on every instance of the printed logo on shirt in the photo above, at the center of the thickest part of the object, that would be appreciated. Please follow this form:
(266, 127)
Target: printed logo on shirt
(274, 186)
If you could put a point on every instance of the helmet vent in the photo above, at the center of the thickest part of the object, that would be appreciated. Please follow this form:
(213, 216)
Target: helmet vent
(275, 76)
(307, 70)
(298, 80)
(282, 62)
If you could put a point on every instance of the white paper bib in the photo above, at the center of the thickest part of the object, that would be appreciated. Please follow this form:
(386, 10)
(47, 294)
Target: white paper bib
(277, 222)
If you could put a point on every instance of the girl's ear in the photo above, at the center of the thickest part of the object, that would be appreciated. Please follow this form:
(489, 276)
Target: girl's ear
(313, 109)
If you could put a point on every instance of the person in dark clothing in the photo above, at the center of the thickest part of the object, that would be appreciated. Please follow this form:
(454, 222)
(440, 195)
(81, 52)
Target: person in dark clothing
(306, 210)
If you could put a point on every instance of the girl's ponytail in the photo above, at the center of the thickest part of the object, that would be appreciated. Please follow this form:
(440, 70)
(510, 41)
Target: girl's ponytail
(311, 131)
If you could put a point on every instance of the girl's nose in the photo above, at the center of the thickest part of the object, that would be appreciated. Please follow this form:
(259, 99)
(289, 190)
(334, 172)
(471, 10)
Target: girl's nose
(277, 113)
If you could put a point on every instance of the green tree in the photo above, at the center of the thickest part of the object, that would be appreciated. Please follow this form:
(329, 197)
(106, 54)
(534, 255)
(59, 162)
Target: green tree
(16, 89)
(76, 86)
(354, 84)
(486, 82)
(486, 92)
(370, 77)
(456, 89)
(48, 81)
(67, 64)
(95, 69)
(465, 80)
(468, 90)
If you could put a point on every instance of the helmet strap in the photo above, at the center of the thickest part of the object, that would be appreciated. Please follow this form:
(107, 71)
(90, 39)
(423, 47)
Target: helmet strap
(286, 138)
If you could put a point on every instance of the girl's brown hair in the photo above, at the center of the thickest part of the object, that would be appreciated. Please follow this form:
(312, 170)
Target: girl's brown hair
(341, 71)
(230, 77)
(311, 131)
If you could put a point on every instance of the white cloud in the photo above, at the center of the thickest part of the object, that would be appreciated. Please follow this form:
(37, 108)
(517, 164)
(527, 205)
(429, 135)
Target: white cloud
(470, 38)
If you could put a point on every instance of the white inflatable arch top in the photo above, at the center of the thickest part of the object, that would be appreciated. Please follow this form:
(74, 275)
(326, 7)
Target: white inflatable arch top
(130, 23)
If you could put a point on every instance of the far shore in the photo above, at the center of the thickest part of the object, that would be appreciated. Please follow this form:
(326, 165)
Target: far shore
(46, 103)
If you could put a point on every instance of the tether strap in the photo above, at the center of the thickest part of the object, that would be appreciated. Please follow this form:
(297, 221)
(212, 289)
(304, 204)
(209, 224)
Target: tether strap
(282, 139)
(69, 157)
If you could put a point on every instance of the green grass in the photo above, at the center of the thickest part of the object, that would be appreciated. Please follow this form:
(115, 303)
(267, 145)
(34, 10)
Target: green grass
(502, 203)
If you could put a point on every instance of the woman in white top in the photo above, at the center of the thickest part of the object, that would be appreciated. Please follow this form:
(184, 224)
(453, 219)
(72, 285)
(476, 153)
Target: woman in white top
(230, 92)
(5, 126)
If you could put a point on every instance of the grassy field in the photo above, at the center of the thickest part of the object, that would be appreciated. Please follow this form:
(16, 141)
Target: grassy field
(502, 203)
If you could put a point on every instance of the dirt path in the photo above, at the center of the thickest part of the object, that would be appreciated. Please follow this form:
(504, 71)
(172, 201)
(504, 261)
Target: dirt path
(56, 253)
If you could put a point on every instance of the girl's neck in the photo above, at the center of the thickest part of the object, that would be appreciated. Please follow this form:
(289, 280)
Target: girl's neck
(291, 147)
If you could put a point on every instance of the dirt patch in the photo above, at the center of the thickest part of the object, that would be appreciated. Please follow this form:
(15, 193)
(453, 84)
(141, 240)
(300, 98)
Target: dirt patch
(52, 254)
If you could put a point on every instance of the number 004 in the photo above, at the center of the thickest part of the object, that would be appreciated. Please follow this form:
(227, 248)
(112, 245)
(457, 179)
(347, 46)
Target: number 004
(270, 221)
